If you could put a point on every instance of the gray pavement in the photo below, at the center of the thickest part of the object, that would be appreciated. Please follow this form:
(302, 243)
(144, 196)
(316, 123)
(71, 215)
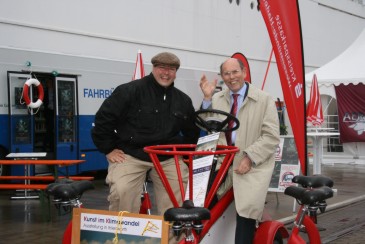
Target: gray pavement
(345, 224)
(344, 219)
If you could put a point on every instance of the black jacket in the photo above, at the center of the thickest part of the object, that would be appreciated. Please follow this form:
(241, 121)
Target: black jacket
(143, 113)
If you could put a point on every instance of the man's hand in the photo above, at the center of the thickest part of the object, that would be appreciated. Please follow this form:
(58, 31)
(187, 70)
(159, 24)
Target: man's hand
(116, 156)
(244, 166)
(207, 87)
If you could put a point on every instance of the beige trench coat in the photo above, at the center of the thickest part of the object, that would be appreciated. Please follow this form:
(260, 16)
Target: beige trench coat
(258, 136)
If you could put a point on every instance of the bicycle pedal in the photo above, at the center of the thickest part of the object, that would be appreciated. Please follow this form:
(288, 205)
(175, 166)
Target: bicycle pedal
(303, 230)
(319, 228)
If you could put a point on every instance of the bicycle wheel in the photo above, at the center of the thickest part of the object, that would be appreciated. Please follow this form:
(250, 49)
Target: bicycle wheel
(278, 239)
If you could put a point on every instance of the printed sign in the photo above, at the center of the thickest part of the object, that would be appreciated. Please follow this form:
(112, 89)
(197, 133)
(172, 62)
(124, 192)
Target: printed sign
(202, 166)
(351, 112)
(100, 226)
(286, 165)
(287, 173)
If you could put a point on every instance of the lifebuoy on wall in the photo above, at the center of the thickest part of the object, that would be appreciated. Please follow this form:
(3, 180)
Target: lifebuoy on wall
(26, 98)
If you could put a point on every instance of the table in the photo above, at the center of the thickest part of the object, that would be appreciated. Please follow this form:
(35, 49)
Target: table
(28, 159)
(29, 156)
(318, 148)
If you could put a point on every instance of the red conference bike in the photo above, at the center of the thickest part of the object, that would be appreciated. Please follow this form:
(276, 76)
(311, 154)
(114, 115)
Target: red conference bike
(215, 221)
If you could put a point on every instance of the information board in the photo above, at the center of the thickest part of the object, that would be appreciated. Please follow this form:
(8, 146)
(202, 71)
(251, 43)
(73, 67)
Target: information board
(101, 226)
(286, 165)
(202, 167)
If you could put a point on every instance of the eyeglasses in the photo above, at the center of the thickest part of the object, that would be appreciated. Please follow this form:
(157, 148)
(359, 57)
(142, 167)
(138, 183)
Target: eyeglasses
(233, 72)
(167, 68)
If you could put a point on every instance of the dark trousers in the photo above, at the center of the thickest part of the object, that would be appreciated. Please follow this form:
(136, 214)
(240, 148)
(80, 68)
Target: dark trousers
(245, 230)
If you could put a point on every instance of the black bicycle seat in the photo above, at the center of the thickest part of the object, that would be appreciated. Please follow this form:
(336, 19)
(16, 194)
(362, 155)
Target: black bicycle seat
(309, 196)
(66, 189)
(313, 181)
(187, 213)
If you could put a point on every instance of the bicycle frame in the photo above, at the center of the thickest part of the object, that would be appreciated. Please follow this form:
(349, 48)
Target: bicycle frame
(265, 232)
(67, 234)
(183, 150)
(268, 229)
(303, 220)
(146, 201)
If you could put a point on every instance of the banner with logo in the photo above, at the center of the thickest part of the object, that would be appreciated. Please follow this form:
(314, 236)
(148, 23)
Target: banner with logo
(101, 226)
(351, 112)
(283, 24)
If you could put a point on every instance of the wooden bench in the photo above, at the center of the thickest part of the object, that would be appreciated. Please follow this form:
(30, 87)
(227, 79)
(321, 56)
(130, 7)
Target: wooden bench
(29, 186)
(45, 201)
(26, 178)
(32, 186)
(39, 190)
(23, 186)
(45, 178)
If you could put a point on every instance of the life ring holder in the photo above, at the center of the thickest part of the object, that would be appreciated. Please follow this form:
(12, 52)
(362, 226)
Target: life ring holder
(26, 98)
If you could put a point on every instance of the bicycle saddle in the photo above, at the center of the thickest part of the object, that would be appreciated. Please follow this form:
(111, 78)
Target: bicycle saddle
(187, 213)
(313, 181)
(309, 196)
(66, 189)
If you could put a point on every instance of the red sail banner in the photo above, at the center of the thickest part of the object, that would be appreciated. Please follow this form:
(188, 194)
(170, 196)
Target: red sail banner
(139, 70)
(283, 24)
(351, 112)
(243, 58)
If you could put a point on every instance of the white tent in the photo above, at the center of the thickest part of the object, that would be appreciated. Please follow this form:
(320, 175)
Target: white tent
(346, 68)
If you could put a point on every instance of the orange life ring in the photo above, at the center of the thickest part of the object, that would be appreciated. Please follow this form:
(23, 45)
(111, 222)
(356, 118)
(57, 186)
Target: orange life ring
(26, 98)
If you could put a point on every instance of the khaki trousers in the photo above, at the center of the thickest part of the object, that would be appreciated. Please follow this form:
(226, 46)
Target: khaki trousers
(126, 181)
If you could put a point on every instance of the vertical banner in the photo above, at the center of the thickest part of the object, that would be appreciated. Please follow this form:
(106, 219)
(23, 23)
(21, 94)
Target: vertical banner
(351, 112)
(283, 24)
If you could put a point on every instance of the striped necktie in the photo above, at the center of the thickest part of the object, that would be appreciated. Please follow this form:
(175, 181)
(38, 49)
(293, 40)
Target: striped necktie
(231, 122)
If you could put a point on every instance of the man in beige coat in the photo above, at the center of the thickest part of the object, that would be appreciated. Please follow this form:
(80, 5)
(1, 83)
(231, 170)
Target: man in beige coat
(257, 138)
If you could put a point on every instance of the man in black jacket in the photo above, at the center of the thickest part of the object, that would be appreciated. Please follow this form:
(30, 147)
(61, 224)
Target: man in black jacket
(145, 112)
